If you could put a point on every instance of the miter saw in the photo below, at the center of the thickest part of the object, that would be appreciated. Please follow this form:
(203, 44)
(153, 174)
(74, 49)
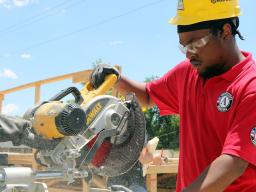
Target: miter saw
(97, 133)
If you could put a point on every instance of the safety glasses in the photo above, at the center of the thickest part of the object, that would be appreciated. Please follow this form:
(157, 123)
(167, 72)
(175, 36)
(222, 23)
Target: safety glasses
(193, 47)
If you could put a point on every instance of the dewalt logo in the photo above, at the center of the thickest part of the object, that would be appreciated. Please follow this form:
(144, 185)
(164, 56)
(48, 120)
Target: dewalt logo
(93, 113)
(220, 1)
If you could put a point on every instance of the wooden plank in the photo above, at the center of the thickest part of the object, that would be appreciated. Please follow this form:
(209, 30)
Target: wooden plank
(167, 153)
(33, 84)
(34, 164)
(170, 167)
(81, 77)
(37, 93)
(42, 82)
(166, 190)
(99, 190)
(167, 168)
(85, 186)
(52, 189)
(51, 182)
(19, 158)
(151, 182)
(99, 182)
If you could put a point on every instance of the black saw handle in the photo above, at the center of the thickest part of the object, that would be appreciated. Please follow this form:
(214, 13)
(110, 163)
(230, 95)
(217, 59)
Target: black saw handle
(70, 90)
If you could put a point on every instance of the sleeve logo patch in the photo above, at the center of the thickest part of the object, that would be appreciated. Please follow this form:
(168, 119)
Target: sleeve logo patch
(253, 136)
(224, 102)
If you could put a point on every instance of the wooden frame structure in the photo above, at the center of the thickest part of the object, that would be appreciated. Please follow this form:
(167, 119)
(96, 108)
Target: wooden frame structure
(171, 167)
(77, 77)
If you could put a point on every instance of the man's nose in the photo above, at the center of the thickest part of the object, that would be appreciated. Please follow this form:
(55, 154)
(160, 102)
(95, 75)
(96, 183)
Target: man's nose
(188, 54)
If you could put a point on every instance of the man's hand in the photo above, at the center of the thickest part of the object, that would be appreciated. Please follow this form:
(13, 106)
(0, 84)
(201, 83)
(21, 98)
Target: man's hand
(146, 157)
(148, 154)
(99, 73)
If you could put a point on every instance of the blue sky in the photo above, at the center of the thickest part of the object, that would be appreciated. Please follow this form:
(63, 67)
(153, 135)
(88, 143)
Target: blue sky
(42, 38)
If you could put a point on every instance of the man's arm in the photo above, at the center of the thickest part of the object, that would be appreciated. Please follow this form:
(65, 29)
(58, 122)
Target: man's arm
(219, 175)
(126, 85)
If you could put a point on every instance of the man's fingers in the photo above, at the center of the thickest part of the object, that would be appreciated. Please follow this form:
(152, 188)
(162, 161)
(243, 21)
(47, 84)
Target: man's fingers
(157, 160)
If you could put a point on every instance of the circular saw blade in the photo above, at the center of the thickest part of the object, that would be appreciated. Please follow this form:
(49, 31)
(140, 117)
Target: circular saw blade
(122, 157)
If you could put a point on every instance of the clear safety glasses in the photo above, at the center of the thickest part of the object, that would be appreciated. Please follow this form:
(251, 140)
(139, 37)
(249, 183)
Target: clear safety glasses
(193, 47)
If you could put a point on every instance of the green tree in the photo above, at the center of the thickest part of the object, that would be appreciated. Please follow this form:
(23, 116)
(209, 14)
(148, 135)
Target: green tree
(166, 128)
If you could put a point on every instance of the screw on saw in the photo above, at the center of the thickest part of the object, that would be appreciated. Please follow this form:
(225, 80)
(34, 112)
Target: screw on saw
(115, 119)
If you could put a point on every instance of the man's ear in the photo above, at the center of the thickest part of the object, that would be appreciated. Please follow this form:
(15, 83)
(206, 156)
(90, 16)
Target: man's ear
(227, 31)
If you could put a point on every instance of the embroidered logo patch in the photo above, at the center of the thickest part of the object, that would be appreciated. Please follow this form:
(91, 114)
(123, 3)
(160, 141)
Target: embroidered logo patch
(253, 136)
(180, 5)
(224, 102)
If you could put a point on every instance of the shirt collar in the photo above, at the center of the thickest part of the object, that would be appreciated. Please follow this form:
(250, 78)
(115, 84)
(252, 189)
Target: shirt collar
(234, 71)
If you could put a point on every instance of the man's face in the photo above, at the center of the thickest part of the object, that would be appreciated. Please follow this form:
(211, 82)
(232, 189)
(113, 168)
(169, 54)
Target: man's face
(205, 52)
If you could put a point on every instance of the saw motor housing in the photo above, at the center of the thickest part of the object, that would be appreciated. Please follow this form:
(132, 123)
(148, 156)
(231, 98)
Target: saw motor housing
(56, 120)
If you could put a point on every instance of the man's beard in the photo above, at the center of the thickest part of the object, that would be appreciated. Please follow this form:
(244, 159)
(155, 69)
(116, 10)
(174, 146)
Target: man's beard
(213, 71)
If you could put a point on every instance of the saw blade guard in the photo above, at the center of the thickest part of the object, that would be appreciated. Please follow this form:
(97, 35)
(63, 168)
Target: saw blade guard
(126, 147)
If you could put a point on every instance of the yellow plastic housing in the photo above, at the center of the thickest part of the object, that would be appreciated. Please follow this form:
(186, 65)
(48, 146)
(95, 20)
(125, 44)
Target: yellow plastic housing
(44, 119)
(88, 92)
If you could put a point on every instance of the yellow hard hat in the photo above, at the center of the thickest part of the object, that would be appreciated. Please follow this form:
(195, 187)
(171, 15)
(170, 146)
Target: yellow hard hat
(191, 11)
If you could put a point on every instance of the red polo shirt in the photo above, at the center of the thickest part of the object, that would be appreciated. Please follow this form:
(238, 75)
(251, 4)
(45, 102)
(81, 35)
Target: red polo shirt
(217, 116)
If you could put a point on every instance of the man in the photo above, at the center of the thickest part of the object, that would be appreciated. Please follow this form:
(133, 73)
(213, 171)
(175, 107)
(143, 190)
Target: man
(214, 92)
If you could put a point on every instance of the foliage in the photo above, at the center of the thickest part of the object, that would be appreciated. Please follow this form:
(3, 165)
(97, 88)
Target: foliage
(166, 128)
(148, 79)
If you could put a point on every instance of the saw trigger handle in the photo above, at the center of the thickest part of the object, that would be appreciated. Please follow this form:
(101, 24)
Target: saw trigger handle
(89, 92)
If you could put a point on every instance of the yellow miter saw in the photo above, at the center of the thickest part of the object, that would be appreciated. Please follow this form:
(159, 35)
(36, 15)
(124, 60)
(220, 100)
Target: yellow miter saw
(97, 133)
